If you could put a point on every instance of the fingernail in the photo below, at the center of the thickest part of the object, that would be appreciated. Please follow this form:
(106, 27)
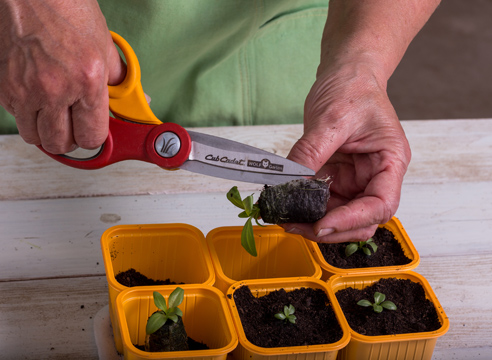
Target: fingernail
(324, 232)
(294, 231)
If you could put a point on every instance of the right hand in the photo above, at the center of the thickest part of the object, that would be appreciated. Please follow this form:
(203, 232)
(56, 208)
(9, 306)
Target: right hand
(56, 62)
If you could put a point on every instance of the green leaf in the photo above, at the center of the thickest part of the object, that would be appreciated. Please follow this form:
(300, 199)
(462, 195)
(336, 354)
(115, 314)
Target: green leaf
(159, 301)
(379, 298)
(248, 204)
(366, 251)
(292, 319)
(290, 309)
(372, 245)
(243, 215)
(378, 308)
(235, 198)
(176, 298)
(155, 322)
(390, 305)
(365, 303)
(248, 238)
(350, 249)
(174, 318)
(280, 316)
(179, 312)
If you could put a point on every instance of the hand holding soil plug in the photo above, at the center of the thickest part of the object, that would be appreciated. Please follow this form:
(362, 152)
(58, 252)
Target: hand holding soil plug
(298, 201)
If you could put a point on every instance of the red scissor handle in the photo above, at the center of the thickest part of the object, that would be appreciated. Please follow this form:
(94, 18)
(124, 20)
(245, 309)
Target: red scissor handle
(135, 141)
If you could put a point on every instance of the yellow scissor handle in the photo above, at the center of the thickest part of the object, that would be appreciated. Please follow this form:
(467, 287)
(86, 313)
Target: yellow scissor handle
(127, 100)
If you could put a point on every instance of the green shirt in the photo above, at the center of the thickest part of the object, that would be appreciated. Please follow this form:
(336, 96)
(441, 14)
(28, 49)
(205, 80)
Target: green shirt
(221, 62)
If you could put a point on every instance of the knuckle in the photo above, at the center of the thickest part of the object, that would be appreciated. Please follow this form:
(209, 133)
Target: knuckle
(92, 76)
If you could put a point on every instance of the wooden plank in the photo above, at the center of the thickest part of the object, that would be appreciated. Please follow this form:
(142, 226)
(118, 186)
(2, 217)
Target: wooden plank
(462, 285)
(443, 151)
(50, 319)
(60, 237)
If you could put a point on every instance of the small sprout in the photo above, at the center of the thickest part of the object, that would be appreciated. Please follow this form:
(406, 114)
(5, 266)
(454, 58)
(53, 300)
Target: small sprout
(361, 245)
(288, 314)
(250, 211)
(166, 311)
(379, 303)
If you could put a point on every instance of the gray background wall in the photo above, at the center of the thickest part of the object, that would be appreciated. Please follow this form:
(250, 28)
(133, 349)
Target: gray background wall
(447, 70)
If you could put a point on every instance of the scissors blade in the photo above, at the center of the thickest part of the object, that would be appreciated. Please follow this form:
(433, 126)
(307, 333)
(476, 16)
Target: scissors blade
(219, 157)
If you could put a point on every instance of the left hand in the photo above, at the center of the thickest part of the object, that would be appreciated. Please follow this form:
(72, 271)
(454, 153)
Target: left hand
(352, 133)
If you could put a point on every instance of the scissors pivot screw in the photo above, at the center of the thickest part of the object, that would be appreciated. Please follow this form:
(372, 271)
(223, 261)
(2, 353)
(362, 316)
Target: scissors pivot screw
(167, 144)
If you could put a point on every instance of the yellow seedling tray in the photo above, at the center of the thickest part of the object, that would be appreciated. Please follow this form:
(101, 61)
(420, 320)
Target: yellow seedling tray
(395, 226)
(390, 347)
(175, 251)
(247, 351)
(205, 316)
(280, 255)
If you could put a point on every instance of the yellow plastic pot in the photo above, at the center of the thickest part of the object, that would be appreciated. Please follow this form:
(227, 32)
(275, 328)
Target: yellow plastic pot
(280, 255)
(205, 316)
(247, 351)
(395, 226)
(390, 347)
(175, 251)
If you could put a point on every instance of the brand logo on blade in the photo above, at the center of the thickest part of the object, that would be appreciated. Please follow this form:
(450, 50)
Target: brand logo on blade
(265, 164)
(225, 159)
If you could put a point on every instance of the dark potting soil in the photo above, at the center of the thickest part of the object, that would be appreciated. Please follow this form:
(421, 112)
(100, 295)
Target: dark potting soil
(315, 324)
(414, 312)
(297, 201)
(192, 345)
(389, 253)
(132, 277)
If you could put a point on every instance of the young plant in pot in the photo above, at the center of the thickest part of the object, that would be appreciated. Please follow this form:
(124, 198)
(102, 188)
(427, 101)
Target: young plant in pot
(165, 329)
(298, 201)
(394, 315)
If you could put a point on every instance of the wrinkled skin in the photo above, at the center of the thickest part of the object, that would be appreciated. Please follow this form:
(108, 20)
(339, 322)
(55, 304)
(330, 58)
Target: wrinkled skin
(352, 134)
(54, 71)
(351, 130)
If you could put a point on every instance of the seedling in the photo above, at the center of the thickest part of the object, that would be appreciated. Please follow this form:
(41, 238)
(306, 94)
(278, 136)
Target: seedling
(166, 311)
(380, 302)
(251, 211)
(361, 245)
(297, 201)
(287, 314)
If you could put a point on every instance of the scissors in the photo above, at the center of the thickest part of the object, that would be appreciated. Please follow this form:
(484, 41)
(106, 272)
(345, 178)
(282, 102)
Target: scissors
(135, 133)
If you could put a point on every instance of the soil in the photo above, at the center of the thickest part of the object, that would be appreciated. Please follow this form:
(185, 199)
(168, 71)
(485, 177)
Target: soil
(132, 277)
(414, 312)
(389, 253)
(315, 324)
(192, 345)
(297, 201)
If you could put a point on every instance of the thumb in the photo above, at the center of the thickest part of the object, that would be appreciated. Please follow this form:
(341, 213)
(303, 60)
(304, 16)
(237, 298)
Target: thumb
(314, 148)
(116, 65)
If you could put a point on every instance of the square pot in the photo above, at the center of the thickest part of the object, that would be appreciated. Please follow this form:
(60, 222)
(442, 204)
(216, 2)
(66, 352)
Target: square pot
(395, 226)
(280, 255)
(175, 251)
(247, 351)
(390, 347)
(205, 316)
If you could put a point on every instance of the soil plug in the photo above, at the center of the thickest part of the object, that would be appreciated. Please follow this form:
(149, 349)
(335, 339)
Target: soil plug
(165, 328)
(298, 201)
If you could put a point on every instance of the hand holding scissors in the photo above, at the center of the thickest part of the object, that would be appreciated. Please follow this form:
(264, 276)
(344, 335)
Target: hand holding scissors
(135, 133)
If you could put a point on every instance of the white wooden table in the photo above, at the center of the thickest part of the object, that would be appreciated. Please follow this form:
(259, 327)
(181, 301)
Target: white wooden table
(52, 280)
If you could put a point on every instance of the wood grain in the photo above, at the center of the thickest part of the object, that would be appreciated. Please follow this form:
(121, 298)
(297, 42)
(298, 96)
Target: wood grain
(52, 218)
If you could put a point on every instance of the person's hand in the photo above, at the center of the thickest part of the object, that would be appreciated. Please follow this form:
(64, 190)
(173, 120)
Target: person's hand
(56, 61)
(352, 134)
